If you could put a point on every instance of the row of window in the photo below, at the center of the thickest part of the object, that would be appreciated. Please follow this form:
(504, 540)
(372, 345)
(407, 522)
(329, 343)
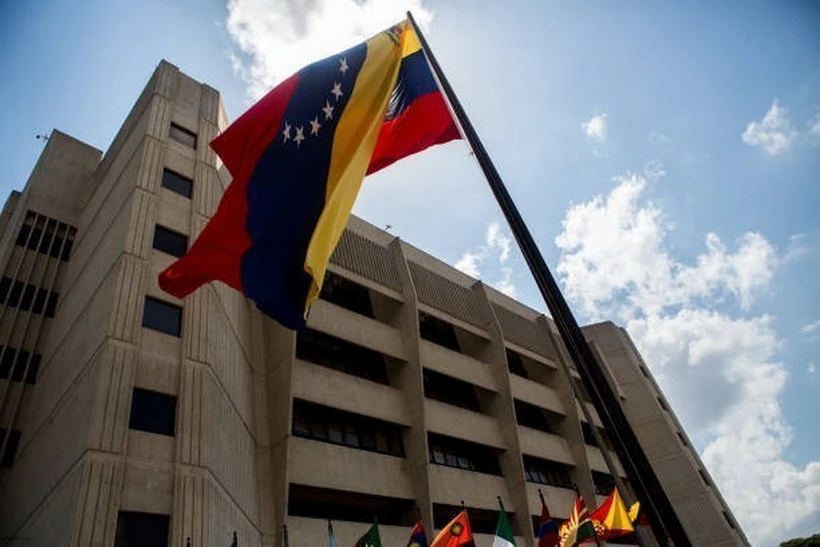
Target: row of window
(335, 426)
(7, 457)
(463, 454)
(46, 236)
(20, 365)
(18, 294)
(547, 472)
(332, 352)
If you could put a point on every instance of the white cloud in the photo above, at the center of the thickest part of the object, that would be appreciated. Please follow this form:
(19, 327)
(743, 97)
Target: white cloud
(811, 367)
(811, 328)
(773, 133)
(276, 38)
(719, 370)
(497, 245)
(814, 127)
(595, 128)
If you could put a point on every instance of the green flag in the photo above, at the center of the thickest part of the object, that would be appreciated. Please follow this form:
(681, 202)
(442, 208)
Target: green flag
(503, 530)
(371, 538)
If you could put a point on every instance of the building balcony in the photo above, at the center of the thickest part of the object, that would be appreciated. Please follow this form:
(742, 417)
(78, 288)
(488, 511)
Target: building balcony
(330, 387)
(598, 463)
(449, 485)
(536, 394)
(462, 424)
(544, 445)
(356, 328)
(457, 365)
(326, 465)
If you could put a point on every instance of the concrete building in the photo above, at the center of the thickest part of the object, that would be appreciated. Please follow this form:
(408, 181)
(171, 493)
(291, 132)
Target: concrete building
(129, 417)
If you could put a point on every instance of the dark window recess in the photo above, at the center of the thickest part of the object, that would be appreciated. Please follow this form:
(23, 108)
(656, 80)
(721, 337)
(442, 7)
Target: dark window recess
(19, 294)
(46, 235)
(532, 416)
(25, 368)
(705, 477)
(663, 405)
(7, 459)
(7, 361)
(682, 439)
(515, 364)
(141, 529)
(328, 424)
(463, 454)
(331, 352)
(347, 294)
(644, 371)
(451, 391)
(177, 183)
(181, 135)
(589, 436)
(603, 483)
(170, 242)
(547, 472)
(342, 505)
(437, 331)
(482, 521)
(153, 412)
(162, 316)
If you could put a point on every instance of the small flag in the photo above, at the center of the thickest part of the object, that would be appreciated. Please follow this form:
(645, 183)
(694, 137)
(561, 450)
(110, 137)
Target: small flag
(298, 157)
(611, 519)
(578, 527)
(417, 536)
(457, 533)
(331, 541)
(370, 538)
(503, 530)
(547, 530)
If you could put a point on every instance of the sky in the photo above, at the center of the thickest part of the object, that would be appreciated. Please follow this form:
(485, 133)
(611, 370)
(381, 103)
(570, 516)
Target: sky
(664, 155)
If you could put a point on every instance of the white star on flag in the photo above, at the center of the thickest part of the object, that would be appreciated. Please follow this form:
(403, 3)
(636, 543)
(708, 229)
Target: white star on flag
(300, 136)
(328, 110)
(343, 63)
(286, 132)
(314, 126)
(337, 90)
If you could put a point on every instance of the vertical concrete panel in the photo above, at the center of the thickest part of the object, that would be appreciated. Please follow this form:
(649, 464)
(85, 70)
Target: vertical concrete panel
(139, 238)
(189, 414)
(196, 326)
(128, 301)
(111, 401)
(151, 162)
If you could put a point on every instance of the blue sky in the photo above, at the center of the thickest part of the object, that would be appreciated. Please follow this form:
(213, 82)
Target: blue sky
(664, 155)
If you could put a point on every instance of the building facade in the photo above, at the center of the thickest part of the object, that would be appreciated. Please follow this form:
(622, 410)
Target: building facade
(130, 417)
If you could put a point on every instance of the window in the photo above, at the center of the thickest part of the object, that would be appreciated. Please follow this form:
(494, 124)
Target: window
(705, 477)
(177, 183)
(182, 136)
(46, 235)
(603, 483)
(437, 331)
(153, 412)
(342, 505)
(515, 364)
(451, 391)
(162, 316)
(547, 472)
(335, 426)
(170, 242)
(21, 363)
(463, 454)
(482, 521)
(588, 434)
(138, 529)
(347, 294)
(7, 459)
(331, 352)
(27, 296)
(532, 416)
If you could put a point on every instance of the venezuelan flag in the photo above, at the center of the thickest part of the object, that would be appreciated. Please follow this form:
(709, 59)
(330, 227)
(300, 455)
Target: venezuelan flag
(298, 158)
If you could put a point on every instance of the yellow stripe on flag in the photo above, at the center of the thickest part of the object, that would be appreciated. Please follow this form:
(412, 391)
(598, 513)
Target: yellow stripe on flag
(353, 145)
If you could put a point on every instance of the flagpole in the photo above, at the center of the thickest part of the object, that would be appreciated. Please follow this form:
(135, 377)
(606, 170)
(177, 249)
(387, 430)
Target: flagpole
(664, 521)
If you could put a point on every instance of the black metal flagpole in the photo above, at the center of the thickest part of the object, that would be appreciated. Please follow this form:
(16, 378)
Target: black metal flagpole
(663, 519)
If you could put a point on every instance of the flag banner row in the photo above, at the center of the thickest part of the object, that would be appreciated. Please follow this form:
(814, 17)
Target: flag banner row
(610, 520)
